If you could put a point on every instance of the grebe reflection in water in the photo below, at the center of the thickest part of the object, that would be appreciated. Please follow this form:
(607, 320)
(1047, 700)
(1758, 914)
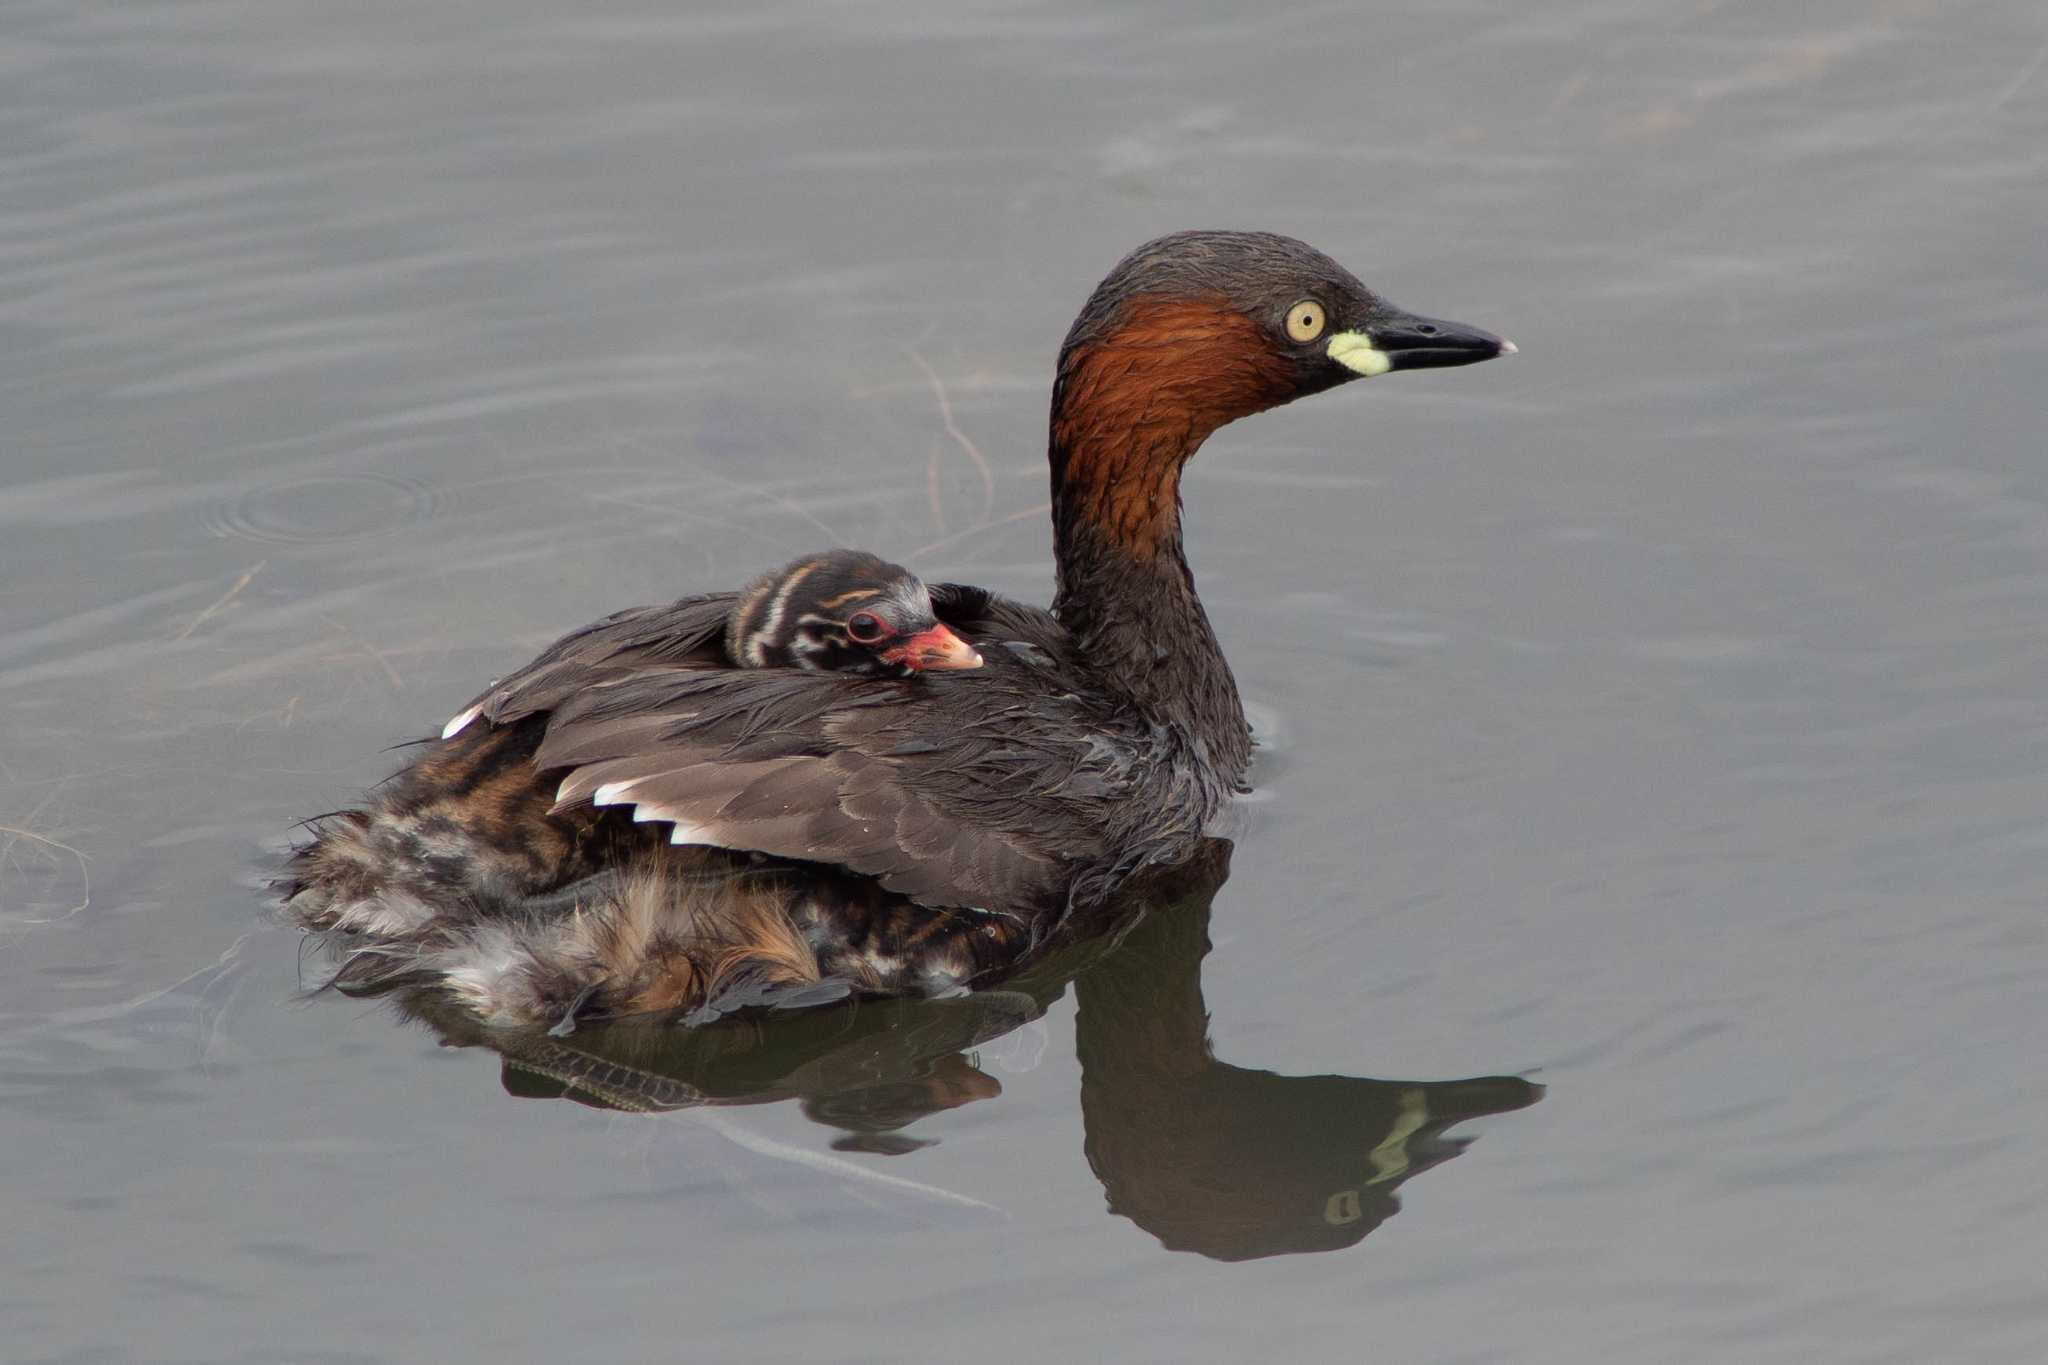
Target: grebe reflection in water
(1229, 1162)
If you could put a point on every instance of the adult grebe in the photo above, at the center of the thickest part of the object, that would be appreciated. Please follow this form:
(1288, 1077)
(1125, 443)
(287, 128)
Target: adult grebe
(760, 831)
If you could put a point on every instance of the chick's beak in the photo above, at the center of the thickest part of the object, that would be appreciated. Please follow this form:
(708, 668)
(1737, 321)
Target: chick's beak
(934, 648)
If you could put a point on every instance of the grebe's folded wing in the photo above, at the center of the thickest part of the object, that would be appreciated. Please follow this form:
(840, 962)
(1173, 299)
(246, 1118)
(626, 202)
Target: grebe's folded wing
(982, 789)
(685, 634)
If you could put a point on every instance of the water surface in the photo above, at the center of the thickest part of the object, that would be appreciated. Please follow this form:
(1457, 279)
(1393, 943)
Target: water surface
(1655, 716)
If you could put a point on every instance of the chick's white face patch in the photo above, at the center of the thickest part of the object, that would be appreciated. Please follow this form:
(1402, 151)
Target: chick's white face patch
(1355, 352)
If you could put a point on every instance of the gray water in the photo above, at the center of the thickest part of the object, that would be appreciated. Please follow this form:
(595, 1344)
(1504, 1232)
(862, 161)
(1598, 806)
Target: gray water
(1655, 716)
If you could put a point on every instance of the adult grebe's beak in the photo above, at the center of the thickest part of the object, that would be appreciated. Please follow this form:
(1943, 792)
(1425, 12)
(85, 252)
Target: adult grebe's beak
(931, 649)
(1397, 340)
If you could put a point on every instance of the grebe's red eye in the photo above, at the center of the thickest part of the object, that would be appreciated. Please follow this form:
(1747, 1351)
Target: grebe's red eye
(866, 628)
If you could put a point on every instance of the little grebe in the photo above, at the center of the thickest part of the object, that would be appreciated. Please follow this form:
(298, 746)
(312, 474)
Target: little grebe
(797, 830)
(842, 611)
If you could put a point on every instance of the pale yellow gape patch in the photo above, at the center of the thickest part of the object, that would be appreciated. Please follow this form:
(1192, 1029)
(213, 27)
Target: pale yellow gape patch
(1355, 352)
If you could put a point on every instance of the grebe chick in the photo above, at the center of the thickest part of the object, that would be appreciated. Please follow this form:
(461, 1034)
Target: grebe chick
(842, 611)
(837, 611)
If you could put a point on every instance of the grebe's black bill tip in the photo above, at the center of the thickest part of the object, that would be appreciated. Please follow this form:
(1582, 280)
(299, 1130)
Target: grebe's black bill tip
(1393, 340)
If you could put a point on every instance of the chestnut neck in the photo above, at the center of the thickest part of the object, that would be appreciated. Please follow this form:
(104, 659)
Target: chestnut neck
(1129, 409)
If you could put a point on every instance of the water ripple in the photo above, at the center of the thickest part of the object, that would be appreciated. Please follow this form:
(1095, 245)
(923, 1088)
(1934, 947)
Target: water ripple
(325, 509)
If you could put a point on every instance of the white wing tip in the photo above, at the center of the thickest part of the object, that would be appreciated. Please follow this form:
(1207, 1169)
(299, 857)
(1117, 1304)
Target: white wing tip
(609, 793)
(693, 834)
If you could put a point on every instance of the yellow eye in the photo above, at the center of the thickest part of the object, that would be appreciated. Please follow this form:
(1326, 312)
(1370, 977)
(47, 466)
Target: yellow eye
(1305, 320)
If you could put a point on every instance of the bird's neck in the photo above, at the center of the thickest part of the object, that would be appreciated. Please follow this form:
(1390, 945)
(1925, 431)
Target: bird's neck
(1125, 593)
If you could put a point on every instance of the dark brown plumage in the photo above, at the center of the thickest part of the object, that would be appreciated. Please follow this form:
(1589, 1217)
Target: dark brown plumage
(965, 813)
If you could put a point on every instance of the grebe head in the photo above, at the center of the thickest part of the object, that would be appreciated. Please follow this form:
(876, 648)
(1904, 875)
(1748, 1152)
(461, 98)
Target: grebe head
(1187, 333)
(1225, 324)
(842, 611)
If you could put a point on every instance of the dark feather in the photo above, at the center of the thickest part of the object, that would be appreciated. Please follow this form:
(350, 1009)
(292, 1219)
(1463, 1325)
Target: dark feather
(981, 789)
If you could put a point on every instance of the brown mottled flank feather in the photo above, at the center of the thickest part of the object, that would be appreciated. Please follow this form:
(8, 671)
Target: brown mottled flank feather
(464, 823)
(692, 933)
